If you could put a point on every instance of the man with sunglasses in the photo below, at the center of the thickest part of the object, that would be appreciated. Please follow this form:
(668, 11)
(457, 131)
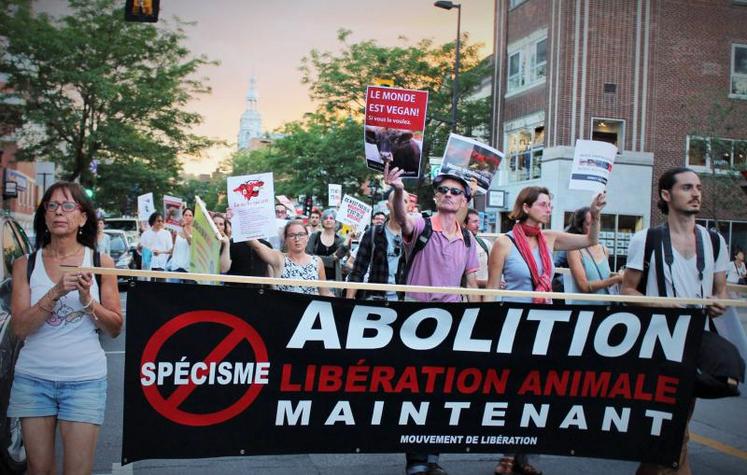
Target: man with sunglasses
(448, 255)
(387, 248)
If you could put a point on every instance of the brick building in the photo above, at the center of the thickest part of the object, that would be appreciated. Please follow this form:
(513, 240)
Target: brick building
(664, 80)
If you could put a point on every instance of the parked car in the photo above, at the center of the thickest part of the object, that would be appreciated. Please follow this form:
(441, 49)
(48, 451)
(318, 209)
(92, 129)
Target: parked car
(14, 244)
(122, 252)
(130, 226)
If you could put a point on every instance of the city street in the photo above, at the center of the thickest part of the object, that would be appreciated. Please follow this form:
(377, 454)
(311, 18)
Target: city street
(718, 445)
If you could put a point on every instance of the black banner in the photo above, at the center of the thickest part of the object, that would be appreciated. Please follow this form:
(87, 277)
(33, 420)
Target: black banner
(225, 371)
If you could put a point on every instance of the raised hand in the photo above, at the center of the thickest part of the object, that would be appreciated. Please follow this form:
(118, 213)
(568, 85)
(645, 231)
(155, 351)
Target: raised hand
(393, 177)
(597, 204)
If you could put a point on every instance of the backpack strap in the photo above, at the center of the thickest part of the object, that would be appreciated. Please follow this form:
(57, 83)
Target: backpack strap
(482, 244)
(653, 239)
(30, 263)
(715, 244)
(420, 244)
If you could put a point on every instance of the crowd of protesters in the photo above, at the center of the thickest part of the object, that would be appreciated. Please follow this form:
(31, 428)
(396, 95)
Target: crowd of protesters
(400, 246)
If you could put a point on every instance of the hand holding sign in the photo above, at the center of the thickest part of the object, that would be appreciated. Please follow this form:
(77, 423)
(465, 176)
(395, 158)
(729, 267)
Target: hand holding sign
(597, 204)
(393, 177)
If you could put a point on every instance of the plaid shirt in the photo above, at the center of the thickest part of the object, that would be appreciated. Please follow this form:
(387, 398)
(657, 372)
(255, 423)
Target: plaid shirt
(378, 271)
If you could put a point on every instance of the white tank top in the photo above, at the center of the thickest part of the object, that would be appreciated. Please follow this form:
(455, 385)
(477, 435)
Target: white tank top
(66, 347)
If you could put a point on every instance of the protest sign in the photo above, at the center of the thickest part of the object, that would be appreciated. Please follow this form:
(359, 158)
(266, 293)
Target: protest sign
(145, 206)
(172, 213)
(394, 125)
(592, 165)
(205, 246)
(252, 199)
(354, 212)
(471, 160)
(334, 193)
(204, 363)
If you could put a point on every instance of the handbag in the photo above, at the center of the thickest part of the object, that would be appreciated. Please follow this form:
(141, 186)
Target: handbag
(720, 368)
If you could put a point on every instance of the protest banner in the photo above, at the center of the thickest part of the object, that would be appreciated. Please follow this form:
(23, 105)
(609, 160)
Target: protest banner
(354, 212)
(334, 194)
(145, 206)
(393, 128)
(471, 160)
(205, 246)
(204, 363)
(252, 199)
(172, 213)
(592, 165)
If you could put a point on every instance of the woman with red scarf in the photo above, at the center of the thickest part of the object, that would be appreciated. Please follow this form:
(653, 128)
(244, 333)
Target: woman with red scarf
(522, 258)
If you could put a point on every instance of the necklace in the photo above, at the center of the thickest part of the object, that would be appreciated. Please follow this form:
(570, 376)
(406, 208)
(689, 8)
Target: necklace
(63, 257)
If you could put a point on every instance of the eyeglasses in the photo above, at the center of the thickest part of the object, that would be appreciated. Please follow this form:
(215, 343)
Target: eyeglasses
(397, 246)
(454, 191)
(543, 204)
(297, 236)
(67, 206)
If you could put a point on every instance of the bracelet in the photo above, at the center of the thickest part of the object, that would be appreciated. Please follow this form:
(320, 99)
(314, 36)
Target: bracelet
(88, 305)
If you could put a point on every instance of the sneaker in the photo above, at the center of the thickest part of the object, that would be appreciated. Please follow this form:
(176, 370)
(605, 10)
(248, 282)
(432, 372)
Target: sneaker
(435, 469)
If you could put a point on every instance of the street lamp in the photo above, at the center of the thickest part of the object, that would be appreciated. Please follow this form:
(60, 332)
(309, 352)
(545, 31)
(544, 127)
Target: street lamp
(455, 85)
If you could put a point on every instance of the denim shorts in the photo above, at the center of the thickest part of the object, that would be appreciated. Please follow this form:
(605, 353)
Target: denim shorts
(74, 401)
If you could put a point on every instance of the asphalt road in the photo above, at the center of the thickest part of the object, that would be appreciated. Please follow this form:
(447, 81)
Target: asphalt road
(718, 446)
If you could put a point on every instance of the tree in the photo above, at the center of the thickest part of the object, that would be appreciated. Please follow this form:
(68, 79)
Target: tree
(338, 81)
(104, 91)
(310, 154)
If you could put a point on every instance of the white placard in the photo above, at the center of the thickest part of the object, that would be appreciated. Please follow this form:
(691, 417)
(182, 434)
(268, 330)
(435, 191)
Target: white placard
(252, 199)
(592, 165)
(354, 212)
(145, 206)
(334, 193)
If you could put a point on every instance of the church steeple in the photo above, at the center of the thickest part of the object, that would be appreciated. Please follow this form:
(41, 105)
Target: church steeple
(250, 126)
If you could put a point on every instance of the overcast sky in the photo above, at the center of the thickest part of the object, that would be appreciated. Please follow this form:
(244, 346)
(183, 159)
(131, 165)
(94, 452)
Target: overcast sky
(269, 39)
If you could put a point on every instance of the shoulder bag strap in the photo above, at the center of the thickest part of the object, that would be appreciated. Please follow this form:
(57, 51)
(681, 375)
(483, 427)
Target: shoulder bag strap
(599, 272)
(30, 263)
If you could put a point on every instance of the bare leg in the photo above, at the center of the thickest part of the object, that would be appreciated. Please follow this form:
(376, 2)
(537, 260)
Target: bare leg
(38, 439)
(79, 444)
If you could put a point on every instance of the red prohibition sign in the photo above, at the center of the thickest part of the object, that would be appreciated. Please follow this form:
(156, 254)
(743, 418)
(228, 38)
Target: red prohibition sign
(169, 407)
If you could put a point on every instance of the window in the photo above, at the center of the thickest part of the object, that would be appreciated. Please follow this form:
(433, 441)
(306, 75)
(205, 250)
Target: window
(734, 233)
(715, 152)
(527, 62)
(615, 233)
(515, 3)
(610, 131)
(738, 71)
(524, 146)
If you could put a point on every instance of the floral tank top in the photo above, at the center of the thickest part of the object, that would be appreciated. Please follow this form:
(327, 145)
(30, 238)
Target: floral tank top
(291, 270)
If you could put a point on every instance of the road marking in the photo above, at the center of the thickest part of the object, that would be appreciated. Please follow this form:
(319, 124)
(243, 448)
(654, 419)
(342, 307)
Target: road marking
(116, 352)
(118, 469)
(719, 446)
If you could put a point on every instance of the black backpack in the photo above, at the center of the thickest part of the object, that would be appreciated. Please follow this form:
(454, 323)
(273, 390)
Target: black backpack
(720, 367)
(31, 263)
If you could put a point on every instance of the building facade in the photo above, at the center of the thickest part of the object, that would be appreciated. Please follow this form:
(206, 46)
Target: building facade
(663, 80)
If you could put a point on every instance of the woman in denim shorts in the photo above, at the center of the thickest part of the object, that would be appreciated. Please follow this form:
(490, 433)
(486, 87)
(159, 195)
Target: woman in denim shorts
(60, 375)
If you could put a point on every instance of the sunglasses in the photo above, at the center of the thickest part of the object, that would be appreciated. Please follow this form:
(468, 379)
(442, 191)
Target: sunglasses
(397, 246)
(67, 206)
(454, 191)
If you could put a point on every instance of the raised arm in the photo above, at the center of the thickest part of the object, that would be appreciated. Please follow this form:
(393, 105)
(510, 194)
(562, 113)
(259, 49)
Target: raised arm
(271, 257)
(562, 241)
(393, 178)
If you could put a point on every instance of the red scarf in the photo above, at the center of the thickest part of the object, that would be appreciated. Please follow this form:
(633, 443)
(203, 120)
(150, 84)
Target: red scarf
(542, 283)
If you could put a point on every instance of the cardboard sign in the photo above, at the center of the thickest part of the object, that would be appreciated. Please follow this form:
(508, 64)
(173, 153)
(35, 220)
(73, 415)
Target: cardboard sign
(145, 206)
(394, 125)
(252, 199)
(354, 212)
(205, 247)
(172, 213)
(334, 193)
(471, 160)
(592, 165)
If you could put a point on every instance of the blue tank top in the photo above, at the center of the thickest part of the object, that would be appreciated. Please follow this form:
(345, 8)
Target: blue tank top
(516, 272)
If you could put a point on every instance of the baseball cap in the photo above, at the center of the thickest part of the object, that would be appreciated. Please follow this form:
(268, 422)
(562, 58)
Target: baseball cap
(448, 176)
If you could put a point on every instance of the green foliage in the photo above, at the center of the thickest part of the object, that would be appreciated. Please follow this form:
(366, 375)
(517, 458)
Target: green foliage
(106, 90)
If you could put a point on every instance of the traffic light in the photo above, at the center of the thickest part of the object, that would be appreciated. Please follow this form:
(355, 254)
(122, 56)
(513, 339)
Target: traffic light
(142, 10)
(308, 204)
(89, 192)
